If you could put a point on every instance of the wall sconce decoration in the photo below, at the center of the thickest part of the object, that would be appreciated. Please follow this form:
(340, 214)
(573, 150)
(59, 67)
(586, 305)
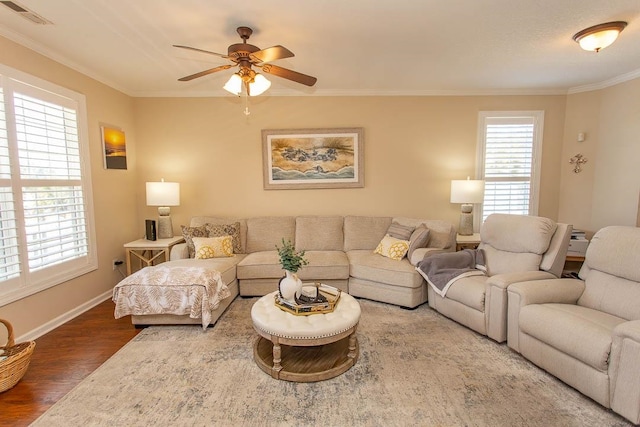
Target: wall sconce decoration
(578, 160)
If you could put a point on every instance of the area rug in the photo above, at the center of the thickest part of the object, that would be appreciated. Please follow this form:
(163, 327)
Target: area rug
(416, 367)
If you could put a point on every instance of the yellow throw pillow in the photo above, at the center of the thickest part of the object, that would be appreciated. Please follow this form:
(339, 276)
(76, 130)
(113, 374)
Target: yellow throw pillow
(213, 247)
(393, 248)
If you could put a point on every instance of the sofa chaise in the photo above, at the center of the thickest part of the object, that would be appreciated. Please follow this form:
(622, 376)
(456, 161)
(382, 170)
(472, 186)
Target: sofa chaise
(340, 251)
(587, 332)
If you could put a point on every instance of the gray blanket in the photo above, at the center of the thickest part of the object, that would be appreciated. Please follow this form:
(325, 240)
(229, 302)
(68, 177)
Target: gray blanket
(442, 270)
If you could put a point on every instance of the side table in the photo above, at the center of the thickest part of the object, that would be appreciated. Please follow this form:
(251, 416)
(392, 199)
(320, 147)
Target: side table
(467, 242)
(149, 252)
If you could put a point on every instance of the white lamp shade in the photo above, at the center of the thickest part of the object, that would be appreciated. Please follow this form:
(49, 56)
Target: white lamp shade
(163, 194)
(259, 85)
(467, 191)
(234, 85)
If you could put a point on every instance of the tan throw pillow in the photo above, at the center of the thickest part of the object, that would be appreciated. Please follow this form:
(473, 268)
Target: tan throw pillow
(233, 230)
(213, 247)
(393, 248)
(399, 231)
(189, 233)
(419, 239)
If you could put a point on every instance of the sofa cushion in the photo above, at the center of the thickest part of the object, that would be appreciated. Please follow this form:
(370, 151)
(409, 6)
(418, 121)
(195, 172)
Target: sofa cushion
(518, 233)
(323, 265)
(614, 295)
(226, 266)
(364, 264)
(579, 332)
(469, 291)
(260, 265)
(392, 248)
(264, 233)
(514, 243)
(614, 250)
(364, 232)
(319, 233)
(233, 230)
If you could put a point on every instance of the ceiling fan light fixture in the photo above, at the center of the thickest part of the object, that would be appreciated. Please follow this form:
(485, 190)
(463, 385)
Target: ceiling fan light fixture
(599, 36)
(259, 85)
(234, 84)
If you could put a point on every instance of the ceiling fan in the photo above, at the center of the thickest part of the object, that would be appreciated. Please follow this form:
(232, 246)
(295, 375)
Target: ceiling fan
(245, 56)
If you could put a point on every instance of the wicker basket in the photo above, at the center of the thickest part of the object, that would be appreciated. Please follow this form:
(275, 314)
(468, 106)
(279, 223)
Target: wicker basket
(13, 368)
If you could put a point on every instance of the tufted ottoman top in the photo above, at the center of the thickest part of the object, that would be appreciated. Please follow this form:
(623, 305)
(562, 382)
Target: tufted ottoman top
(271, 320)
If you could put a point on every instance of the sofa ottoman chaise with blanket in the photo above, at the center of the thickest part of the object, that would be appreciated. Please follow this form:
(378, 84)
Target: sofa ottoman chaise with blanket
(587, 332)
(340, 251)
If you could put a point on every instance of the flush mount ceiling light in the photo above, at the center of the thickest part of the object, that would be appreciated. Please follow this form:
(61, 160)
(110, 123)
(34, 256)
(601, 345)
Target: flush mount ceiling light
(600, 36)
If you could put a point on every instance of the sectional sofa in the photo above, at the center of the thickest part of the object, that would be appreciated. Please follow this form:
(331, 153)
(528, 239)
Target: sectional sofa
(340, 251)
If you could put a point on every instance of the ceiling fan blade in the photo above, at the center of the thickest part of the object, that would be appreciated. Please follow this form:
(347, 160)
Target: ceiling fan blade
(271, 54)
(200, 50)
(289, 74)
(205, 72)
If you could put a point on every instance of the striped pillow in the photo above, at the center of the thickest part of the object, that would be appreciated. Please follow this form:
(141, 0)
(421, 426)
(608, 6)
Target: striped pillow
(399, 231)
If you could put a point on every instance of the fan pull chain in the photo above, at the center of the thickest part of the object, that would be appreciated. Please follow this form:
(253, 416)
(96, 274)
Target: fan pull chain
(246, 104)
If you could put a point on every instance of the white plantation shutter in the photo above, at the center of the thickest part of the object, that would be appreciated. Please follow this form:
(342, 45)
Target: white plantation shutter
(46, 220)
(508, 150)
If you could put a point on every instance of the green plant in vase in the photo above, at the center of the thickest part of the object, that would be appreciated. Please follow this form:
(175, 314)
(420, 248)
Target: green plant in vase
(291, 261)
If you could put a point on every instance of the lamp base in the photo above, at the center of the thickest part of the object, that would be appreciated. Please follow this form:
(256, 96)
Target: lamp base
(466, 220)
(165, 228)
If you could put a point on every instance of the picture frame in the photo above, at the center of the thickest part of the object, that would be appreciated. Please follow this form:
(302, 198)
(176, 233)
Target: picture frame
(313, 158)
(114, 147)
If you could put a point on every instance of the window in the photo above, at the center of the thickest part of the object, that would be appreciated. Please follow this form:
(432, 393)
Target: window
(46, 214)
(509, 151)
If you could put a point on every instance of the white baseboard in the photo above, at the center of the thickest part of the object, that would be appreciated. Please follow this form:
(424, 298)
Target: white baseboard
(64, 318)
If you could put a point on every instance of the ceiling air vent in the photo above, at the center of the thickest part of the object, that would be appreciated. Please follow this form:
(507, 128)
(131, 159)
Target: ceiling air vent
(26, 13)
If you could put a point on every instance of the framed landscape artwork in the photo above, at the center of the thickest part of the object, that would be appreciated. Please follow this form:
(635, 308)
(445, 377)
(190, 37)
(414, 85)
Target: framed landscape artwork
(313, 158)
(114, 147)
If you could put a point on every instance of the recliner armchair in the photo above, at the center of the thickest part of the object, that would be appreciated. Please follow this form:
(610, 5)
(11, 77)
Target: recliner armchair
(517, 248)
(587, 332)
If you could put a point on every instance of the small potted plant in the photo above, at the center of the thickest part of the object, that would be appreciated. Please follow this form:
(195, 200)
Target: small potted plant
(290, 286)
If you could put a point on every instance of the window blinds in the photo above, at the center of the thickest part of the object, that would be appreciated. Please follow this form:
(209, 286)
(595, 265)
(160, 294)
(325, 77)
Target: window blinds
(508, 165)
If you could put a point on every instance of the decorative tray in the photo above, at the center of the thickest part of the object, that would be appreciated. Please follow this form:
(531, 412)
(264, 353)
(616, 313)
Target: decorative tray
(316, 298)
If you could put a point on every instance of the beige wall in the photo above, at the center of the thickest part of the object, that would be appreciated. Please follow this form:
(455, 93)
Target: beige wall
(113, 195)
(606, 191)
(414, 147)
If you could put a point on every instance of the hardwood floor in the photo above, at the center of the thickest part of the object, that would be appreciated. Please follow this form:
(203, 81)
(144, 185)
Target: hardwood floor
(62, 358)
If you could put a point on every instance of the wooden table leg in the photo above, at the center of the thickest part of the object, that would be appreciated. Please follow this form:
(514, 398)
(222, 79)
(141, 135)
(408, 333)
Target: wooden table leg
(277, 358)
(352, 346)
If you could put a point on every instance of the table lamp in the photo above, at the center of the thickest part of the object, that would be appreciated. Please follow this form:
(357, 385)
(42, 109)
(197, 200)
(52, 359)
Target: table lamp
(467, 191)
(163, 194)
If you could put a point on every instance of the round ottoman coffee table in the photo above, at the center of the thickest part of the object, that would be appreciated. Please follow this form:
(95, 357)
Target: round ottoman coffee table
(307, 348)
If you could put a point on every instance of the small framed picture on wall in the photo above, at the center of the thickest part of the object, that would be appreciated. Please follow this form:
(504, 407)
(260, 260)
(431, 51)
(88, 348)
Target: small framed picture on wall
(114, 147)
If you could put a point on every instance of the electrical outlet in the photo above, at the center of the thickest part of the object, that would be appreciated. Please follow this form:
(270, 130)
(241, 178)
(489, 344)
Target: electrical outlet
(115, 263)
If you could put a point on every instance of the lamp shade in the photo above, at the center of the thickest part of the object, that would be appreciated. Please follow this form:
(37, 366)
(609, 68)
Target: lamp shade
(259, 85)
(234, 84)
(163, 194)
(467, 191)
